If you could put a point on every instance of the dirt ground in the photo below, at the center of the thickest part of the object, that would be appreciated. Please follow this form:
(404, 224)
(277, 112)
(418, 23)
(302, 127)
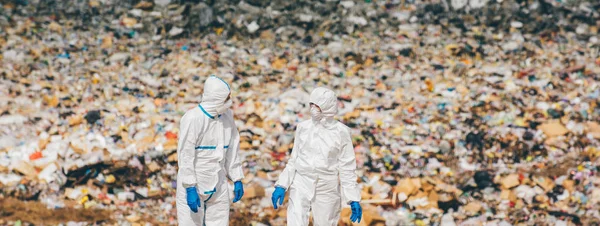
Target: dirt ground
(36, 213)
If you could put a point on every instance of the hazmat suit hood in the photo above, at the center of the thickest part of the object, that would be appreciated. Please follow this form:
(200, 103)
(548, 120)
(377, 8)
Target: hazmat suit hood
(215, 93)
(327, 101)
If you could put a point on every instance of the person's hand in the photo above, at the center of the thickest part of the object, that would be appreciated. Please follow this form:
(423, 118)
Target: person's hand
(278, 196)
(193, 200)
(356, 212)
(238, 191)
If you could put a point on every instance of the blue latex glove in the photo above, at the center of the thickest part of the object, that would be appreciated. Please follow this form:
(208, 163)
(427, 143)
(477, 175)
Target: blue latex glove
(238, 191)
(356, 212)
(193, 200)
(278, 195)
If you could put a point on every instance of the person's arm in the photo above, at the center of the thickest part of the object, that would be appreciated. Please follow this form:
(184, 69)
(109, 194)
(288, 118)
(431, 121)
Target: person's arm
(287, 175)
(186, 149)
(347, 168)
(233, 164)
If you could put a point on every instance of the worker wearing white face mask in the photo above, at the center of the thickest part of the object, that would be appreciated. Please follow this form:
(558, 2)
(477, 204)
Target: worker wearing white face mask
(320, 174)
(207, 155)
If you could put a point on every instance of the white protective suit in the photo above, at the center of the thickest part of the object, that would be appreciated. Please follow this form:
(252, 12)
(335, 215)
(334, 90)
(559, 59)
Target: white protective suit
(322, 162)
(207, 154)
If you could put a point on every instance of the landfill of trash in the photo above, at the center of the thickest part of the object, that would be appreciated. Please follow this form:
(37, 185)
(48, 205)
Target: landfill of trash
(463, 112)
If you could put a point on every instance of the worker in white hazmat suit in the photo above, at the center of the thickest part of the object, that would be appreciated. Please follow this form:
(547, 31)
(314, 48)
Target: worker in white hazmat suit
(320, 174)
(207, 156)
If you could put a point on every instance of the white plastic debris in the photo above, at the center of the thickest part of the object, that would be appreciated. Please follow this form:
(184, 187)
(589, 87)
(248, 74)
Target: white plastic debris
(347, 4)
(476, 4)
(357, 20)
(119, 57)
(162, 3)
(516, 24)
(447, 220)
(252, 27)
(12, 120)
(458, 4)
(175, 31)
(9, 179)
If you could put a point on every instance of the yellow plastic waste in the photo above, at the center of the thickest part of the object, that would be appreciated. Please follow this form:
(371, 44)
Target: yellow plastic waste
(397, 131)
(520, 122)
(110, 179)
(84, 200)
(429, 84)
(218, 31)
(279, 64)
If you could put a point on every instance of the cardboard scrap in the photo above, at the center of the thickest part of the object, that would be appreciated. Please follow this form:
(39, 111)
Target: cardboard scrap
(55, 27)
(172, 157)
(408, 186)
(473, 207)
(442, 187)
(129, 22)
(254, 191)
(170, 145)
(351, 115)
(43, 143)
(282, 212)
(146, 5)
(542, 198)
(262, 174)
(94, 3)
(510, 181)
(545, 183)
(445, 197)
(153, 167)
(370, 217)
(378, 201)
(433, 199)
(107, 42)
(508, 195)
(25, 169)
(593, 128)
(78, 147)
(245, 145)
(423, 201)
(569, 185)
(553, 129)
(133, 218)
(427, 184)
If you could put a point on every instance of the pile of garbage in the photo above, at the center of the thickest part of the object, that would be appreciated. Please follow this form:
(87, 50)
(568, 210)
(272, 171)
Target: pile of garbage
(458, 115)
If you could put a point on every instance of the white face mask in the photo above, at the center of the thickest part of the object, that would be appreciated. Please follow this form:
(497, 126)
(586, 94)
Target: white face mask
(316, 113)
(225, 106)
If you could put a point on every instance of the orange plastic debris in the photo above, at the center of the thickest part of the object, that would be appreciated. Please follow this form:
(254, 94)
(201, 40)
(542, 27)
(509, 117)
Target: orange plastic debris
(171, 136)
(35, 155)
